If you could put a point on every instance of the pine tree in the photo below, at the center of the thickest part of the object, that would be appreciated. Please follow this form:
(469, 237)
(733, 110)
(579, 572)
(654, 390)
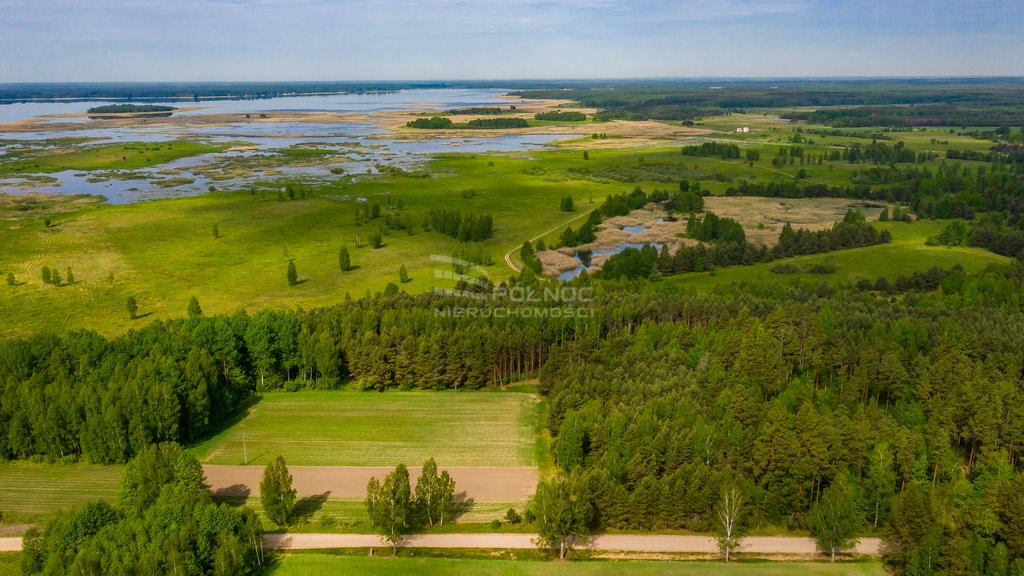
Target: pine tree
(216, 231)
(293, 275)
(70, 275)
(344, 260)
(276, 493)
(403, 274)
(568, 237)
(586, 156)
(10, 279)
(133, 308)
(194, 310)
(884, 216)
(46, 275)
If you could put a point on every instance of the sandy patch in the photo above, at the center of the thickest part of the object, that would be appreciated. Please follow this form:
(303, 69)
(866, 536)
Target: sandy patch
(763, 218)
(611, 234)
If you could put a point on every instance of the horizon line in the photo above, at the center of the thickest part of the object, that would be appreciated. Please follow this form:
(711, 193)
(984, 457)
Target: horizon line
(534, 79)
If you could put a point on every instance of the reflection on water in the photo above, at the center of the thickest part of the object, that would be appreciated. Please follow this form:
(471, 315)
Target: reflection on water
(359, 146)
(585, 257)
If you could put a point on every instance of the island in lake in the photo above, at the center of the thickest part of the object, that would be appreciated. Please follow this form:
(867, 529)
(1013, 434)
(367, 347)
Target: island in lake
(121, 110)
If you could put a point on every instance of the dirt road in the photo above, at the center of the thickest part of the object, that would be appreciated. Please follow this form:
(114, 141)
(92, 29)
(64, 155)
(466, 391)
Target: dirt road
(508, 255)
(350, 481)
(607, 542)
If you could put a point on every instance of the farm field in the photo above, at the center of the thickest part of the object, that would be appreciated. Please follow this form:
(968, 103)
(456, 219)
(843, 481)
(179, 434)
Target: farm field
(907, 253)
(31, 491)
(350, 428)
(313, 564)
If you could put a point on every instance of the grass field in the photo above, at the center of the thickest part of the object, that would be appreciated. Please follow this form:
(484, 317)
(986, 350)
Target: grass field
(906, 253)
(127, 156)
(164, 252)
(348, 428)
(9, 563)
(30, 491)
(313, 564)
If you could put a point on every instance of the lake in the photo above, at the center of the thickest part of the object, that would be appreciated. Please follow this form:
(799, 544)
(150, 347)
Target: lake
(363, 145)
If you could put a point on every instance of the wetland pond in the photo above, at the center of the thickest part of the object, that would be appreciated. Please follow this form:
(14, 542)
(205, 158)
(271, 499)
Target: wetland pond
(259, 150)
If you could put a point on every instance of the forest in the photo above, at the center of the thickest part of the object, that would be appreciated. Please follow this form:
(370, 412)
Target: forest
(956, 102)
(914, 115)
(658, 399)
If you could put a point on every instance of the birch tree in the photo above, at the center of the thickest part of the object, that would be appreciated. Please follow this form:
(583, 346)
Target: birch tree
(729, 513)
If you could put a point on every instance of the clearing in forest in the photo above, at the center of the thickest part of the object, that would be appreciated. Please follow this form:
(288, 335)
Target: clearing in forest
(351, 428)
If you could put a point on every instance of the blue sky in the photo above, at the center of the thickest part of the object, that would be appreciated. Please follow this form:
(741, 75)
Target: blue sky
(204, 40)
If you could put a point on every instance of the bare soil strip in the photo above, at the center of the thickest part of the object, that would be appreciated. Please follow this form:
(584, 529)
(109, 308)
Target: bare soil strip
(610, 542)
(350, 481)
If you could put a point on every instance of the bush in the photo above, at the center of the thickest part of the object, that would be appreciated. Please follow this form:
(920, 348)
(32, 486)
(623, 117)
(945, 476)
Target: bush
(822, 268)
(786, 268)
(513, 517)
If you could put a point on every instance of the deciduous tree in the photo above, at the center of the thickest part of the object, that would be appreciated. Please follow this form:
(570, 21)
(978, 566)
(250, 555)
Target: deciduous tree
(390, 506)
(729, 513)
(276, 492)
(563, 513)
(836, 520)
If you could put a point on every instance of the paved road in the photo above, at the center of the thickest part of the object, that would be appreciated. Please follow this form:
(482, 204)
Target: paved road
(608, 542)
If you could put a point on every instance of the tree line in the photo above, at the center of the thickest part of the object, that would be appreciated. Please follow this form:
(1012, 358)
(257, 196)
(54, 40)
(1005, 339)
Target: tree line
(561, 116)
(463, 227)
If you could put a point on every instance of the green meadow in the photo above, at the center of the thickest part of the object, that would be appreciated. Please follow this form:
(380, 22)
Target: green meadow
(906, 254)
(314, 564)
(31, 491)
(126, 156)
(350, 428)
(163, 252)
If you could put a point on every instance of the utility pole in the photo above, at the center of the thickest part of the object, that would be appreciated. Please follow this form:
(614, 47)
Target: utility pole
(245, 451)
